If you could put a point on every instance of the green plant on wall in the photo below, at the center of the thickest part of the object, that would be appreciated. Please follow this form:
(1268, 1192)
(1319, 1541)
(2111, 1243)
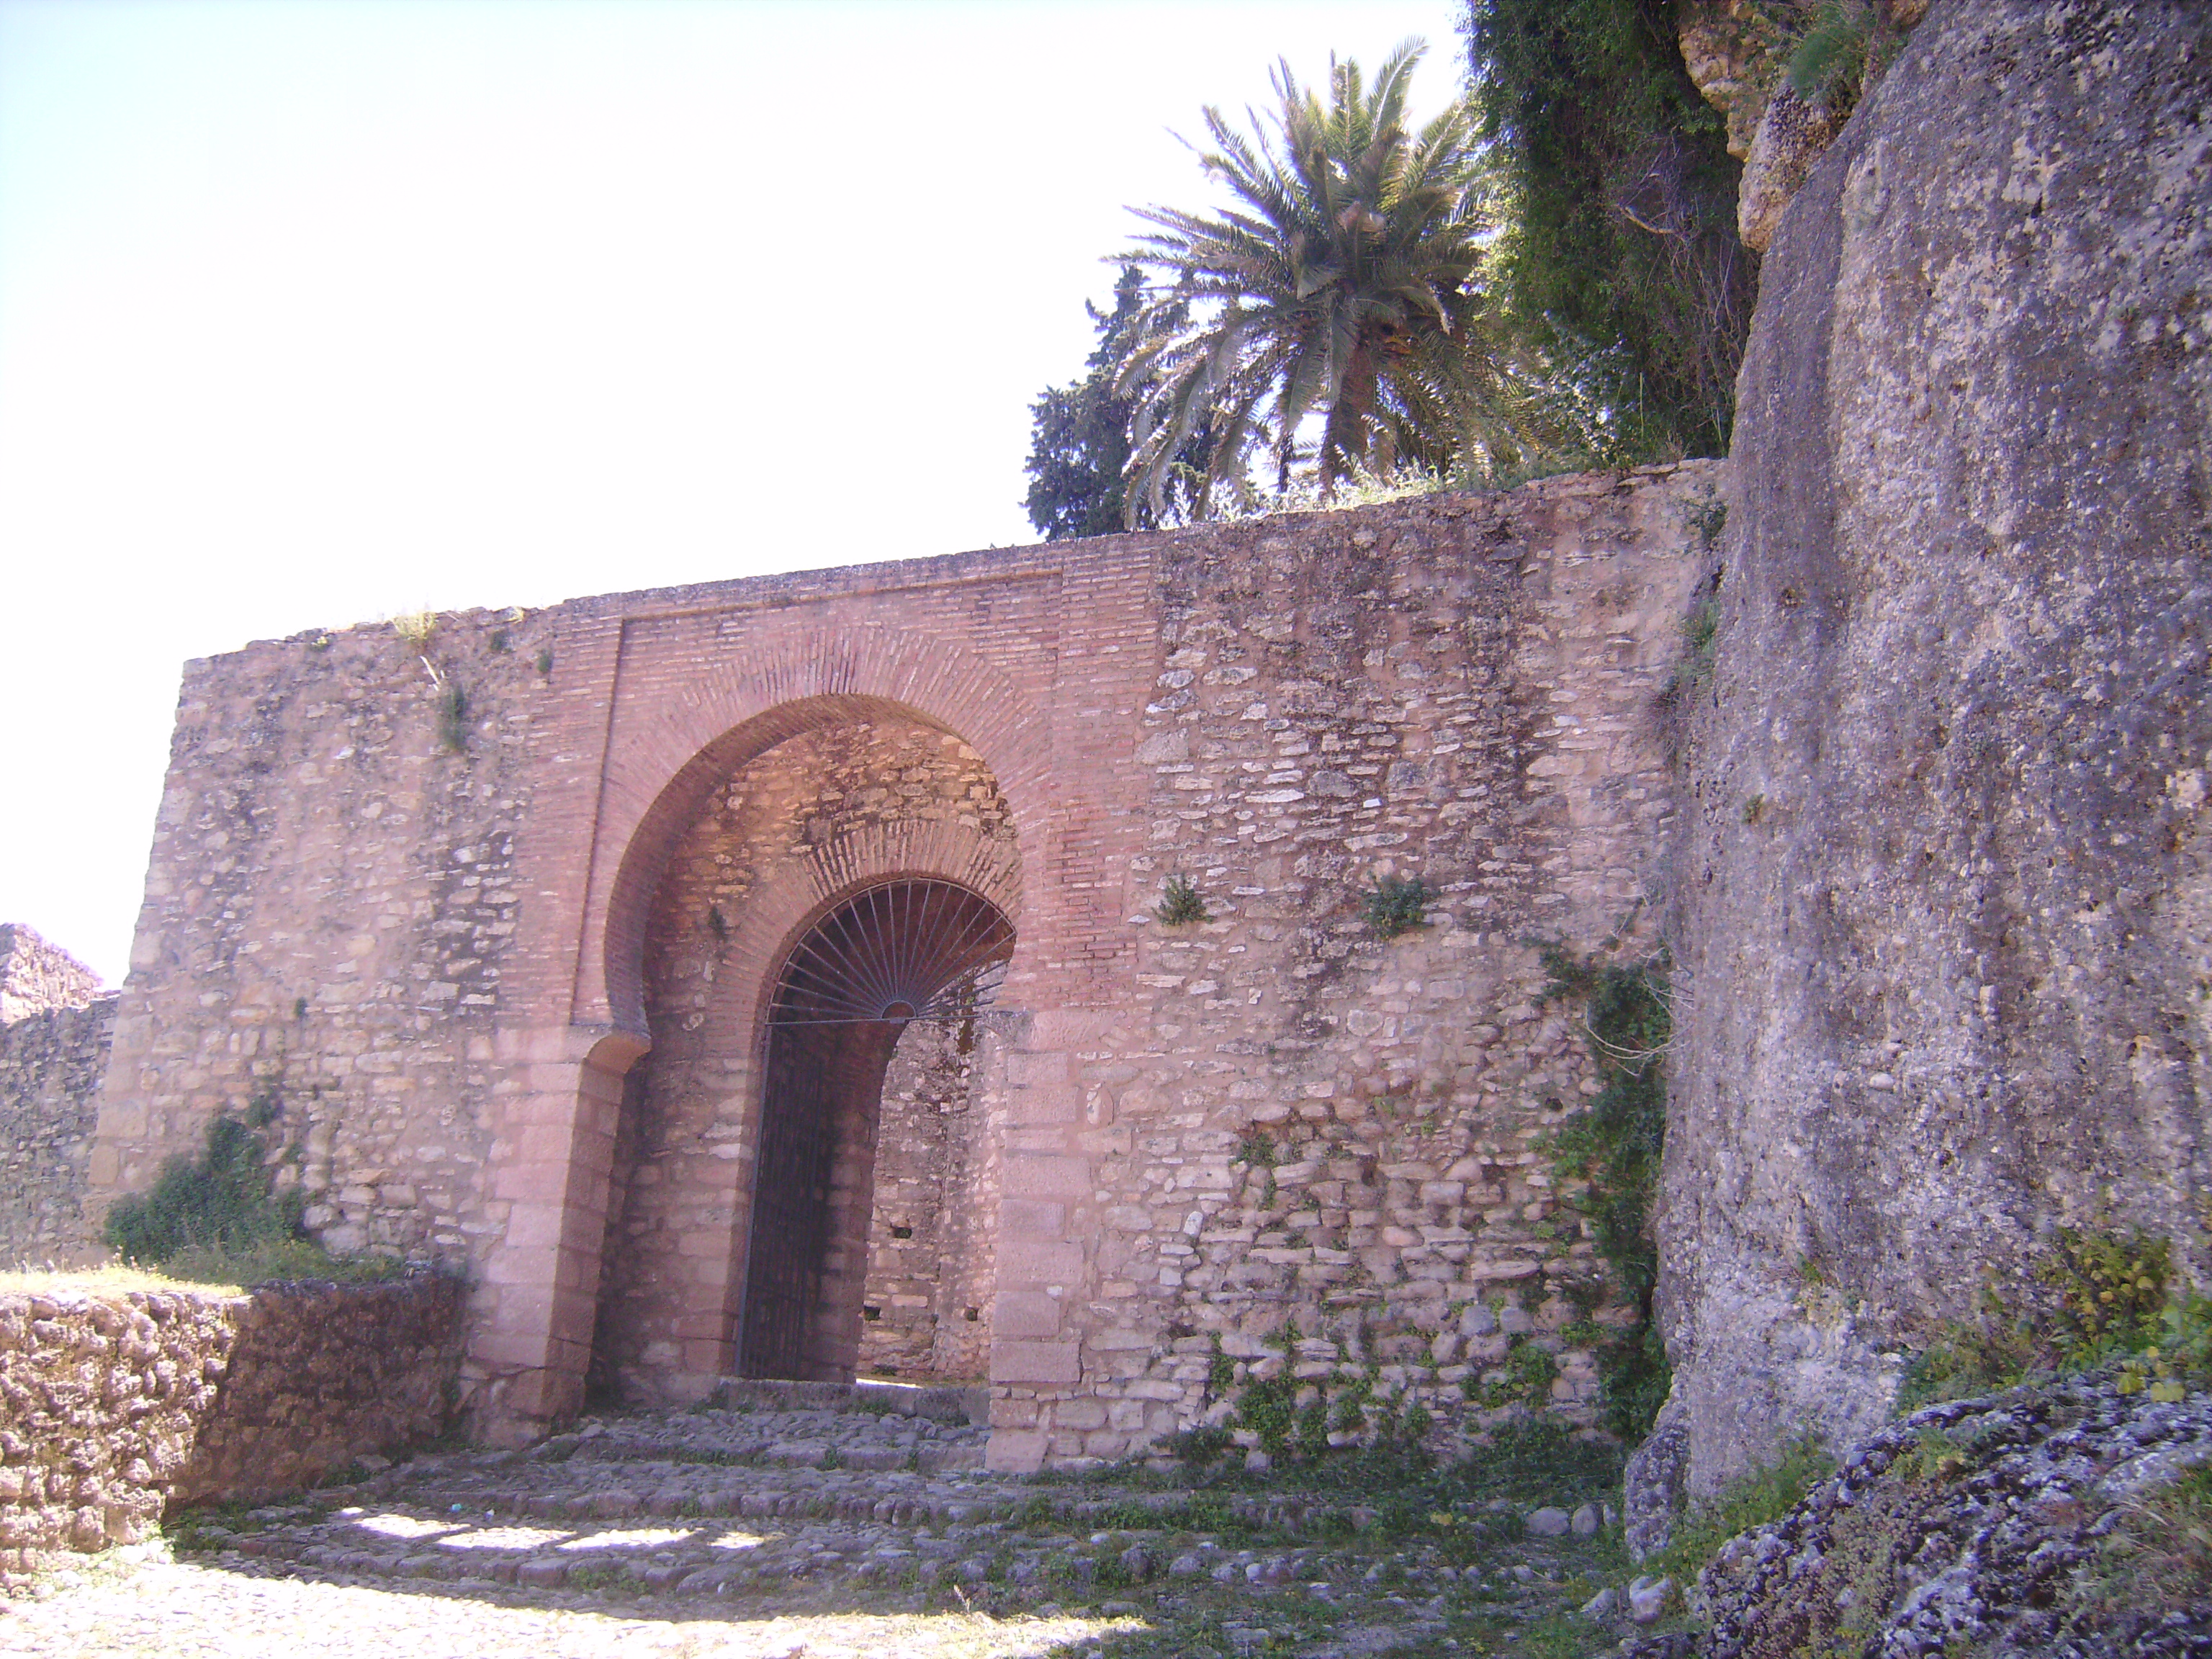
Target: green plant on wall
(221, 1200)
(1269, 1409)
(1180, 903)
(1396, 904)
(453, 717)
(1615, 1147)
(2097, 1296)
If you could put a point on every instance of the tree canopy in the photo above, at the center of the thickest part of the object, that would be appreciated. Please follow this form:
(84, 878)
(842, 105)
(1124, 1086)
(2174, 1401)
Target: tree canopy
(1335, 285)
(1079, 436)
(1618, 260)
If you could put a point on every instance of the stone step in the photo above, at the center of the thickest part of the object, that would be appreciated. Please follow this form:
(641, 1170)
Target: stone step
(941, 1402)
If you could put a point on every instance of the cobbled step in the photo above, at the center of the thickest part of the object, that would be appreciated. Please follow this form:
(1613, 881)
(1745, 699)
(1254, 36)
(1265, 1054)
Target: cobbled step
(940, 1402)
(795, 1501)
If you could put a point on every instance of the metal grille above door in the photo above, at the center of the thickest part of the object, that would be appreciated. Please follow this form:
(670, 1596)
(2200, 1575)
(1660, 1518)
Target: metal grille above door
(908, 950)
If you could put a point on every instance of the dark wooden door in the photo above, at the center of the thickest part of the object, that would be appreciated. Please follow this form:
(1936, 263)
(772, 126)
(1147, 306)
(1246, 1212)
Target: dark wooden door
(791, 1206)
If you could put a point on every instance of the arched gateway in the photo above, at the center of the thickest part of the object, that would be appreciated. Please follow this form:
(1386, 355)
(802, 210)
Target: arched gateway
(837, 899)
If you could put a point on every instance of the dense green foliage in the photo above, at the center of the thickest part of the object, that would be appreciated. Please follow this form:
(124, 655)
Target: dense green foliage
(1329, 315)
(2096, 1298)
(1079, 437)
(219, 1201)
(1619, 262)
(1615, 1148)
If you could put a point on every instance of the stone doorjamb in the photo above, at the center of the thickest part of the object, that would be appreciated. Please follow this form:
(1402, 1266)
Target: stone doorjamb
(534, 1302)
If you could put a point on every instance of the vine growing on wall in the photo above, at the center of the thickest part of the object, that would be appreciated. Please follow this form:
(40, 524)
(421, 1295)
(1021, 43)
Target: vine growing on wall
(1615, 1147)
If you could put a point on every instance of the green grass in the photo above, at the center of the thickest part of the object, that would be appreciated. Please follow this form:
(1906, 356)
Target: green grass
(1764, 1495)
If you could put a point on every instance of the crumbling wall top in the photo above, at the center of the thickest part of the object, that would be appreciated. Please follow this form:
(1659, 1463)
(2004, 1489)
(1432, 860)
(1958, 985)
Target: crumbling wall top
(37, 976)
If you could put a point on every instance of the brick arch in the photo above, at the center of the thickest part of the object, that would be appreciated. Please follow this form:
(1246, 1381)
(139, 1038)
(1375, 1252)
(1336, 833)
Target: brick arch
(664, 760)
(771, 923)
(696, 1312)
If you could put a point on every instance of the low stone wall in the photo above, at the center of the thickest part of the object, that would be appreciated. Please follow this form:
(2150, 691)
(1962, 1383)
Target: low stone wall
(322, 1374)
(115, 1405)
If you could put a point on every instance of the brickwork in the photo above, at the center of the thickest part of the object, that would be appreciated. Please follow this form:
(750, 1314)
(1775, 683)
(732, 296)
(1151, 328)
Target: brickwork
(440, 952)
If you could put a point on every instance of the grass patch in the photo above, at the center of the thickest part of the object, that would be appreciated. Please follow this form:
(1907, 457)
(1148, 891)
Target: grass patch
(1762, 1495)
(2157, 1559)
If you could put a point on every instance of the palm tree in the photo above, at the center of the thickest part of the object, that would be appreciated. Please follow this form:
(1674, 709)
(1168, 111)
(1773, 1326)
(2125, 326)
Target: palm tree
(1336, 286)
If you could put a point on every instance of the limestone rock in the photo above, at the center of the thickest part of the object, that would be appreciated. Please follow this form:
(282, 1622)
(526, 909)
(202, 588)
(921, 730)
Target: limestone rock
(1549, 1523)
(1792, 132)
(1733, 51)
(1963, 624)
(1647, 1599)
(1985, 1515)
(1652, 1486)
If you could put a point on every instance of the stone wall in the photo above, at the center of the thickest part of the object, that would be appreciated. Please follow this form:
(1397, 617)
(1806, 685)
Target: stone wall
(1946, 923)
(472, 966)
(56, 1026)
(115, 1404)
(320, 1374)
(926, 1307)
(1300, 1123)
(37, 977)
(51, 1066)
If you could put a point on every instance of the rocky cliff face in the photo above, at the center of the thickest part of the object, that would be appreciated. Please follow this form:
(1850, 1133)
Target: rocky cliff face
(1946, 922)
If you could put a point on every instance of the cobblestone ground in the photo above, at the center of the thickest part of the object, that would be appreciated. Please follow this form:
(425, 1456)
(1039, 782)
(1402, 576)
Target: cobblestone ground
(790, 1524)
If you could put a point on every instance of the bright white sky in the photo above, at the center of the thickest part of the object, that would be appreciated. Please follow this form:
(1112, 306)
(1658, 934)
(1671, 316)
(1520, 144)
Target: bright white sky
(314, 313)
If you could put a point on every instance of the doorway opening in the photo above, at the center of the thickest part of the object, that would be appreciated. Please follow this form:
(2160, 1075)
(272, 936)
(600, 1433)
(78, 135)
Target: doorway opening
(903, 954)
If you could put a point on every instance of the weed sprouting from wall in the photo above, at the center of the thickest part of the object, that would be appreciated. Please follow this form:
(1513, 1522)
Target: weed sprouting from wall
(453, 719)
(1256, 1147)
(1615, 1147)
(1181, 903)
(415, 627)
(1397, 904)
(1708, 519)
(2101, 1295)
(545, 663)
(221, 1201)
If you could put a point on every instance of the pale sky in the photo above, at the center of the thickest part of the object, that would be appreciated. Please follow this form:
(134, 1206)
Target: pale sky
(312, 314)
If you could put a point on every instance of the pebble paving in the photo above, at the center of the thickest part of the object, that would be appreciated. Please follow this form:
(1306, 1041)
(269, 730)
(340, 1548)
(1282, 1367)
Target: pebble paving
(789, 1520)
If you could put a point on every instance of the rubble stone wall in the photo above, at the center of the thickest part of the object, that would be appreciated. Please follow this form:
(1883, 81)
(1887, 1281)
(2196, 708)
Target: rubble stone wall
(429, 900)
(1298, 1121)
(114, 1405)
(927, 1310)
(51, 1065)
(37, 977)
